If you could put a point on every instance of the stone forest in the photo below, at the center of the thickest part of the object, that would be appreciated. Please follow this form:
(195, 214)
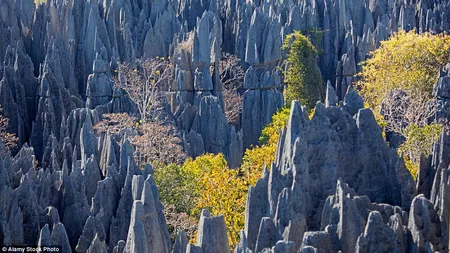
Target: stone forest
(218, 126)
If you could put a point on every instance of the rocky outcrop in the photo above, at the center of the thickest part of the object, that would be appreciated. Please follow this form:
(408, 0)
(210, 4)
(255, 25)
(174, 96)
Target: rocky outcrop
(261, 100)
(335, 185)
(441, 93)
(312, 155)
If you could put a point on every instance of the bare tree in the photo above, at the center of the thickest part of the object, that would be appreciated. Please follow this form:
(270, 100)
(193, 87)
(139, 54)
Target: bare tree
(158, 142)
(9, 140)
(145, 82)
(401, 110)
(115, 123)
(233, 105)
(232, 77)
(177, 222)
(230, 71)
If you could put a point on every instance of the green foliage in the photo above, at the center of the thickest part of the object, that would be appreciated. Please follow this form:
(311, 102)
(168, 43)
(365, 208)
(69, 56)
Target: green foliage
(175, 188)
(270, 133)
(407, 61)
(224, 192)
(205, 183)
(303, 78)
(418, 141)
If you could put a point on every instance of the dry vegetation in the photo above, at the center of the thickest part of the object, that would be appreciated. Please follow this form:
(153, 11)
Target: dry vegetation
(232, 77)
(9, 140)
(157, 143)
(115, 123)
(145, 83)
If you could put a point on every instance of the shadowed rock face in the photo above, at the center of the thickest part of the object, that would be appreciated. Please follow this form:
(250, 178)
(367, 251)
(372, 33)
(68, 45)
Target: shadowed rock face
(335, 184)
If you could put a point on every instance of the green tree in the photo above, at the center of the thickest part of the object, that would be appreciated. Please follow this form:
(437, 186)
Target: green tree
(207, 182)
(302, 75)
(174, 186)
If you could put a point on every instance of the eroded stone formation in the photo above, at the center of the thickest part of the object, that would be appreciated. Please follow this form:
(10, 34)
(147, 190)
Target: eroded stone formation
(335, 184)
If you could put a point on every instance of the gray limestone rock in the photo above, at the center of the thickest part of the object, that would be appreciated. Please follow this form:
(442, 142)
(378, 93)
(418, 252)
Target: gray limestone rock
(261, 100)
(257, 207)
(377, 236)
(212, 234)
(268, 234)
(321, 241)
(428, 232)
(57, 59)
(93, 227)
(59, 238)
(330, 99)
(181, 242)
(353, 101)
(120, 247)
(193, 249)
(44, 238)
(97, 246)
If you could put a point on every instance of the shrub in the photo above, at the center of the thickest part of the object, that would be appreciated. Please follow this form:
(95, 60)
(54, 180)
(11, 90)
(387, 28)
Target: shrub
(418, 141)
(397, 82)
(146, 82)
(398, 79)
(223, 192)
(233, 105)
(231, 76)
(270, 133)
(154, 142)
(177, 222)
(303, 78)
(175, 188)
(207, 182)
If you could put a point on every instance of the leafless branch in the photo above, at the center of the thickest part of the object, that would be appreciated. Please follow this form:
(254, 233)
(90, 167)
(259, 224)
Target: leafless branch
(400, 110)
(180, 222)
(232, 77)
(233, 105)
(158, 142)
(9, 140)
(230, 71)
(145, 82)
(115, 123)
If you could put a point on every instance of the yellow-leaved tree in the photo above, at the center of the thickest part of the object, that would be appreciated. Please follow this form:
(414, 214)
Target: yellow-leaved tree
(207, 183)
(407, 61)
(397, 82)
(256, 158)
(219, 189)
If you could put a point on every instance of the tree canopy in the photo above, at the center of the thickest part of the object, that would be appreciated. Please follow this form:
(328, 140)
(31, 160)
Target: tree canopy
(302, 75)
(407, 61)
